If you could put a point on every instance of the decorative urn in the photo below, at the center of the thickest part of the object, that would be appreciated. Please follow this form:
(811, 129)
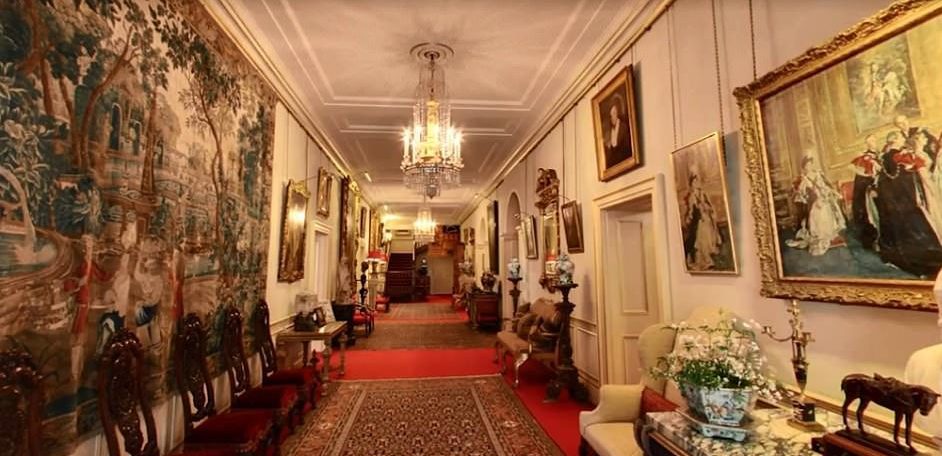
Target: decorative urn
(564, 269)
(513, 269)
(423, 267)
(488, 280)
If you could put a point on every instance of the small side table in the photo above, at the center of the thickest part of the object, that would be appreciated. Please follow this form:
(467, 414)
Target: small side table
(326, 334)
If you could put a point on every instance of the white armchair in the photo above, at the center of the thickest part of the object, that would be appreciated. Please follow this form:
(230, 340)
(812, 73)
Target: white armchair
(609, 430)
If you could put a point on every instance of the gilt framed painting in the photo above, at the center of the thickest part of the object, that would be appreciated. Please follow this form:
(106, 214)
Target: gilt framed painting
(323, 192)
(293, 230)
(842, 149)
(703, 202)
(616, 127)
(572, 223)
(529, 232)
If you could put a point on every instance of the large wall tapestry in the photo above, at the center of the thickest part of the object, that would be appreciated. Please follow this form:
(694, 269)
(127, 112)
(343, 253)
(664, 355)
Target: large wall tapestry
(843, 152)
(135, 177)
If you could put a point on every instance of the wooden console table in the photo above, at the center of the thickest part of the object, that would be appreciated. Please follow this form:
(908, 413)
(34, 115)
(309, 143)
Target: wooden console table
(326, 334)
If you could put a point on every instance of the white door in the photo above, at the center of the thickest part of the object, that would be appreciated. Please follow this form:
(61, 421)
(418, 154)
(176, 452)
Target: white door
(631, 288)
(321, 265)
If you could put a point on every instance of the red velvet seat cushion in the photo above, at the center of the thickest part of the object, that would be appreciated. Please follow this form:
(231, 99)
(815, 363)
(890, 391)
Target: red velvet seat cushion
(360, 319)
(267, 397)
(300, 376)
(236, 427)
(209, 453)
(382, 300)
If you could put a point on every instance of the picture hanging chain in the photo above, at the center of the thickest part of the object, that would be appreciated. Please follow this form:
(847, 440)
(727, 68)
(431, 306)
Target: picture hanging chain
(670, 70)
(752, 40)
(716, 59)
(562, 125)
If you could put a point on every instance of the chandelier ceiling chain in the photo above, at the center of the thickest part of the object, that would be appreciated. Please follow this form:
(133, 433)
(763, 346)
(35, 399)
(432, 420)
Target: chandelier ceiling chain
(431, 147)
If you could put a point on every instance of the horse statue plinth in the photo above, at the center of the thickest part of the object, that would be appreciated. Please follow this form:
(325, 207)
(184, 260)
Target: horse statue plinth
(902, 398)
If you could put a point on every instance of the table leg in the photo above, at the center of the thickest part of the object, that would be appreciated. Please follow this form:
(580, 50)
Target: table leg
(307, 352)
(343, 354)
(325, 371)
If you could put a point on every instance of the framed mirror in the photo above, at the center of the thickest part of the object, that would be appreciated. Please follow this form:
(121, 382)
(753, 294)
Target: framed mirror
(547, 193)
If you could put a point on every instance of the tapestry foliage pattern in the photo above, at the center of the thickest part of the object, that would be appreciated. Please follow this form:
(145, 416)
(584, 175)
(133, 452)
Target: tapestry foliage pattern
(135, 178)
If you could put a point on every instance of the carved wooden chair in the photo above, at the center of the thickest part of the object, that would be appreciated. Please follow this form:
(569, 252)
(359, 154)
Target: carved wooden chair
(123, 400)
(304, 378)
(248, 432)
(21, 398)
(284, 400)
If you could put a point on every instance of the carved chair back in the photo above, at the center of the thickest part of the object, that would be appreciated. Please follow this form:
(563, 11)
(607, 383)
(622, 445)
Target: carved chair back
(193, 380)
(233, 350)
(266, 346)
(21, 398)
(122, 397)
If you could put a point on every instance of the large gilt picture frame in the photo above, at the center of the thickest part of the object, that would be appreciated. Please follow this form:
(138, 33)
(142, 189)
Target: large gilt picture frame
(323, 192)
(293, 232)
(703, 200)
(616, 126)
(841, 149)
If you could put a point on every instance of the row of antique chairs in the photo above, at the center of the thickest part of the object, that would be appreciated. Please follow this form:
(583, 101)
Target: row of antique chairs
(256, 423)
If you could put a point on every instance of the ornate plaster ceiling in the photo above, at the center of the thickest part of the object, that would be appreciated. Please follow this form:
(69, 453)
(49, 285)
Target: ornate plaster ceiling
(349, 62)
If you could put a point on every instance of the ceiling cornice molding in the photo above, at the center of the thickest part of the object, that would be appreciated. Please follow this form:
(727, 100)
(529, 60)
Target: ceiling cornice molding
(227, 17)
(625, 36)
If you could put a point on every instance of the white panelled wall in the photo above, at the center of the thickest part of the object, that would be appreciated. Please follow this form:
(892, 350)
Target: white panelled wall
(678, 102)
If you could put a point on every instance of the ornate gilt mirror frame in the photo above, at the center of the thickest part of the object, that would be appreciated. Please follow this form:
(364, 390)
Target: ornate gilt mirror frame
(915, 23)
(547, 193)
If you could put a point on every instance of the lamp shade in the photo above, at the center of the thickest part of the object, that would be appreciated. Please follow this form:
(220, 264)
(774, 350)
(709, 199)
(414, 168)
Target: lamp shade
(376, 256)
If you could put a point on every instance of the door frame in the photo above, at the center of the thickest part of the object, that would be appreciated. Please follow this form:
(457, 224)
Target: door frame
(649, 188)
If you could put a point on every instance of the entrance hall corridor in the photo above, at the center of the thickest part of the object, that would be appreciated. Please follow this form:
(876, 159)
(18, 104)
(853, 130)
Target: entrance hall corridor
(425, 383)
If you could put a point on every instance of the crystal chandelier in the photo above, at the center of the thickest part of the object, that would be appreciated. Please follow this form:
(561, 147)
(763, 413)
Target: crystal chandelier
(424, 226)
(431, 148)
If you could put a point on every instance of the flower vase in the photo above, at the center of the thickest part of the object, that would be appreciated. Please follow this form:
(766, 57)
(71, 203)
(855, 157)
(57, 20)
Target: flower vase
(720, 406)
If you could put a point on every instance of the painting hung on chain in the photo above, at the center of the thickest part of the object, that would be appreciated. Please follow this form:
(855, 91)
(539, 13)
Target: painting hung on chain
(848, 192)
(135, 176)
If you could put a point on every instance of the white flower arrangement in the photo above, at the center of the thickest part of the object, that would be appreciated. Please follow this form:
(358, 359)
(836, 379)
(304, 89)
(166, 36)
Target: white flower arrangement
(723, 355)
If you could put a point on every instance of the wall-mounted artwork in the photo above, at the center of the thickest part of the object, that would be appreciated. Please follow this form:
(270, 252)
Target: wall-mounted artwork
(363, 221)
(493, 241)
(700, 183)
(323, 192)
(529, 231)
(293, 230)
(842, 150)
(616, 127)
(135, 185)
(572, 223)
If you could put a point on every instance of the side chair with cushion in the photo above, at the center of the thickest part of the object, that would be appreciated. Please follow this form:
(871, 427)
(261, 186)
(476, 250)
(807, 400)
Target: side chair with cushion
(610, 429)
(284, 400)
(246, 432)
(123, 400)
(21, 398)
(304, 378)
(533, 334)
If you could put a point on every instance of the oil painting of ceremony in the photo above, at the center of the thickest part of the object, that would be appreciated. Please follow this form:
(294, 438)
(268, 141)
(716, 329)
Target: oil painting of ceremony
(135, 154)
(857, 180)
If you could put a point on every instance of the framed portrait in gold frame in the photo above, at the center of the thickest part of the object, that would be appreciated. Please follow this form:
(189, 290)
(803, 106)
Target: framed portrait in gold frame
(293, 231)
(841, 145)
(616, 127)
(323, 192)
(703, 201)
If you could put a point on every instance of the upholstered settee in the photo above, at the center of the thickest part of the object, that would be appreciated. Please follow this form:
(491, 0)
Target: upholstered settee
(533, 334)
(610, 429)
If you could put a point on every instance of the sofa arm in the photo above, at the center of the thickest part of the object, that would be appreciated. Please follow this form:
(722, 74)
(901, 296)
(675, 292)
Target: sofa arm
(617, 403)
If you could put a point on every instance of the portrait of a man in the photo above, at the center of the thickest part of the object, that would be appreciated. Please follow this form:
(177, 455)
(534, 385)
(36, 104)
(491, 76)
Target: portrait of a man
(616, 131)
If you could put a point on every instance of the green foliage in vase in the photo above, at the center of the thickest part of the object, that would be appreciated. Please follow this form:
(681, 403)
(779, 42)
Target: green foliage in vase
(722, 355)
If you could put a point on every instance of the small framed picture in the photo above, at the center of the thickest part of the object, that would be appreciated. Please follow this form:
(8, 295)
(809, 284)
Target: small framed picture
(529, 231)
(572, 222)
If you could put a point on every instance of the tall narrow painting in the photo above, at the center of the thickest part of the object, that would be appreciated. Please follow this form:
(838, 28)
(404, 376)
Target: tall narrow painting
(842, 147)
(705, 225)
(293, 231)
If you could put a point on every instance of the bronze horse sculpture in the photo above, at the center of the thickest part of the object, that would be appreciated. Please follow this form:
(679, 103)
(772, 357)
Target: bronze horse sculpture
(903, 399)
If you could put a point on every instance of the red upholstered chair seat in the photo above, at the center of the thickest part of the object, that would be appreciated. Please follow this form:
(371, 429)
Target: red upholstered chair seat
(360, 318)
(300, 376)
(267, 397)
(237, 427)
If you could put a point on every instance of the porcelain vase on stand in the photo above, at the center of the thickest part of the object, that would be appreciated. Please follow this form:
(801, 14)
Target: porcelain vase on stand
(720, 406)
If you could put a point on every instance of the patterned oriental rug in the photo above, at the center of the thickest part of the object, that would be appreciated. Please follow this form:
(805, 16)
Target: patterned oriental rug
(425, 335)
(417, 417)
(419, 312)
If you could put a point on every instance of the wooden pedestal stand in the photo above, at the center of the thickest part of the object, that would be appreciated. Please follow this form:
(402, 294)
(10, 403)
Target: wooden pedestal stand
(363, 291)
(566, 373)
(515, 293)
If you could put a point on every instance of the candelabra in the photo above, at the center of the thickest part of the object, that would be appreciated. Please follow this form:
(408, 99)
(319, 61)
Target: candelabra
(803, 407)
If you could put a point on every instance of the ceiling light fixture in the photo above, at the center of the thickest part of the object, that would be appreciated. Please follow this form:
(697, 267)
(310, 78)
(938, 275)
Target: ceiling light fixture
(431, 147)
(423, 229)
